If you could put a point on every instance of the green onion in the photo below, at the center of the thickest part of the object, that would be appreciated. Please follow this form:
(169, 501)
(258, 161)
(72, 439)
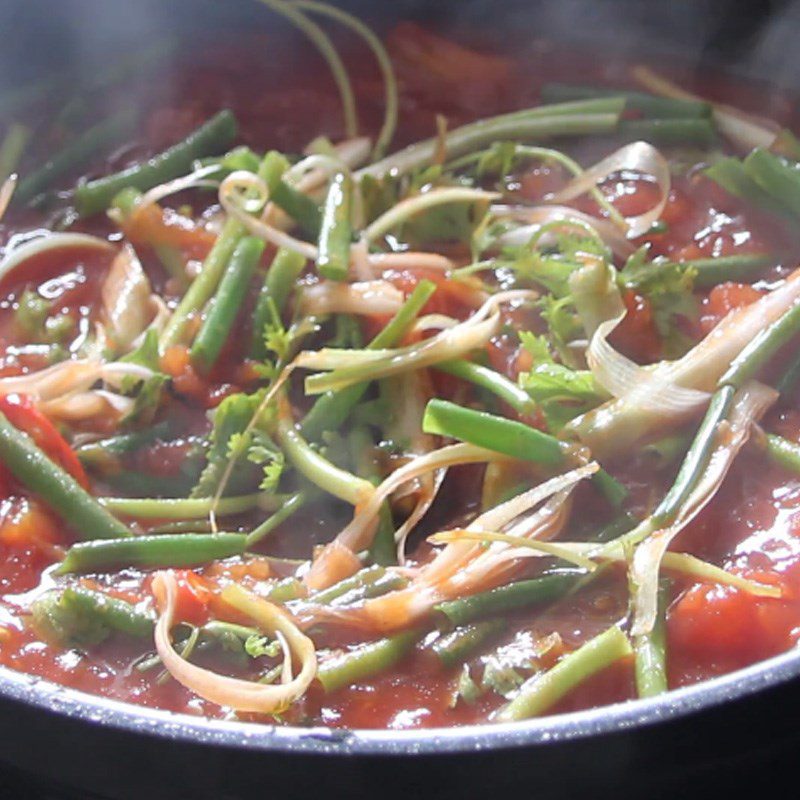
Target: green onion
(225, 306)
(213, 136)
(294, 503)
(649, 105)
(651, 653)
(187, 507)
(168, 550)
(699, 132)
(711, 271)
(34, 470)
(784, 453)
(335, 235)
(776, 177)
(543, 691)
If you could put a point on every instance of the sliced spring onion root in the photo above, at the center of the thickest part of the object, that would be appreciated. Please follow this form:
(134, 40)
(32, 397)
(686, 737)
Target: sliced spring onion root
(619, 424)
(748, 406)
(465, 567)
(234, 693)
(639, 157)
(353, 366)
(357, 535)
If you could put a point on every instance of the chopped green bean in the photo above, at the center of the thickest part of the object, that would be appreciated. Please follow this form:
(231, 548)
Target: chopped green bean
(363, 578)
(365, 661)
(292, 504)
(48, 481)
(457, 646)
(542, 691)
(300, 207)
(335, 233)
(278, 285)
(168, 550)
(187, 507)
(521, 594)
(211, 137)
(502, 435)
(225, 306)
(508, 391)
(75, 154)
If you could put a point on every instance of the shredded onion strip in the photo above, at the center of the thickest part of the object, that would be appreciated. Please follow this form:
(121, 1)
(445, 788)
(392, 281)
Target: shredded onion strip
(234, 693)
(639, 157)
(363, 297)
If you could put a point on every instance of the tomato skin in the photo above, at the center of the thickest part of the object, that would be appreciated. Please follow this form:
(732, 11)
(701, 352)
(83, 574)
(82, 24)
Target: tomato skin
(636, 335)
(723, 299)
(22, 413)
(193, 598)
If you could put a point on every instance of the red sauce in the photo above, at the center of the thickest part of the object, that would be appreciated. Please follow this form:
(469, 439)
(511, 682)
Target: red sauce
(752, 527)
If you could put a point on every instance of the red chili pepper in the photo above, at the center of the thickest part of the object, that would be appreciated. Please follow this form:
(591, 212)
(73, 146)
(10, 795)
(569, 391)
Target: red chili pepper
(23, 414)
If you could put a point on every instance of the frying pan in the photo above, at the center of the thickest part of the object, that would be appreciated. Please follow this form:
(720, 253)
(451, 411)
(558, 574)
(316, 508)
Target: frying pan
(738, 731)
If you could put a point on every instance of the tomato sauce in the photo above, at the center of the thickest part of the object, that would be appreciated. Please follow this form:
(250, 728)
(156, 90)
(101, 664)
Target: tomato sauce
(752, 527)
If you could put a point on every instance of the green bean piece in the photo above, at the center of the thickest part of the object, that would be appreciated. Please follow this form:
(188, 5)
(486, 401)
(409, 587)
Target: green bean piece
(365, 577)
(651, 653)
(187, 507)
(75, 154)
(78, 616)
(331, 409)
(12, 148)
(168, 550)
(335, 234)
(48, 481)
(541, 692)
(502, 435)
(225, 306)
(387, 583)
(711, 271)
(615, 492)
(508, 391)
(761, 348)
(675, 131)
(300, 207)
(494, 602)
(318, 470)
(695, 461)
(775, 177)
(649, 105)
(784, 453)
(294, 503)
(365, 661)
(457, 646)
(278, 285)
(213, 136)
(204, 285)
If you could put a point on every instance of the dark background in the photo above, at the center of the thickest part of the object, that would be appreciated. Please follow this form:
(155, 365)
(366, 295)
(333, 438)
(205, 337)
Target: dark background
(749, 747)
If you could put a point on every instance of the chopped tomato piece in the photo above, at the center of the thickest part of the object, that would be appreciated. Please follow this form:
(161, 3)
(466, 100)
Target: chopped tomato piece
(723, 299)
(636, 335)
(194, 597)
